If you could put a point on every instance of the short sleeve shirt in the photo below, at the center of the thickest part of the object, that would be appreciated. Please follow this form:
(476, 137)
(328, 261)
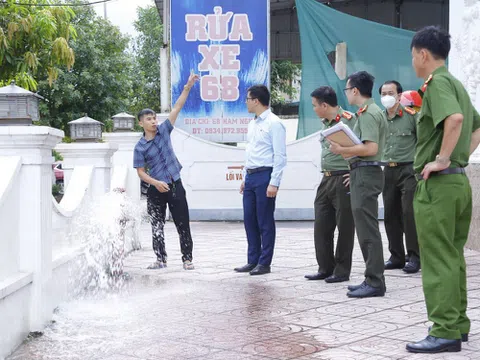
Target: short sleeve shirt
(331, 161)
(371, 126)
(158, 156)
(443, 96)
(401, 135)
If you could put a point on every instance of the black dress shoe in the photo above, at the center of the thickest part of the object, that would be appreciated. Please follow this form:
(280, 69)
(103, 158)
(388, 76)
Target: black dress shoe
(390, 265)
(336, 279)
(355, 287)
(260, 270)
(433, 345)
(245, 268)
(464, 336)
(412, 267)
(366, 291)
(318, 276)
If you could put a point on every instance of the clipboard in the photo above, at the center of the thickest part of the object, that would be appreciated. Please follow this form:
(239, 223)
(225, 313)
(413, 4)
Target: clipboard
(342, 135)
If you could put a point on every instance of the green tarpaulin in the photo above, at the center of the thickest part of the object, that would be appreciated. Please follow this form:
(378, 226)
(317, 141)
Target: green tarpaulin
(382, 50)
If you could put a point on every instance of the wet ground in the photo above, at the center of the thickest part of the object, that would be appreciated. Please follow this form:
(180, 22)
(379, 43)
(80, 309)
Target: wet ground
(214, 313)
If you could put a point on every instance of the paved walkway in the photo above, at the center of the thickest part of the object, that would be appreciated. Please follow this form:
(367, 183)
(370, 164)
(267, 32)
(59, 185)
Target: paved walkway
(213, 313)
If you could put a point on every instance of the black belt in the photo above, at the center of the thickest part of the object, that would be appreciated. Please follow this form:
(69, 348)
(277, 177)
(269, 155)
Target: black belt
(364, 163)
(262, 168)
(172, 182)
(335, 172)
(395, 164)
(448, 171)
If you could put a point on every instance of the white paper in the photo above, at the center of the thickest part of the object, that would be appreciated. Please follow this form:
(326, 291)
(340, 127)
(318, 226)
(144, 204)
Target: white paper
(342, 127)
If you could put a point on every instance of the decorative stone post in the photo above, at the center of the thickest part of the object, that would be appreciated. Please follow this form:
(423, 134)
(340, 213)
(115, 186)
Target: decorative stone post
(88, 151)
(98, 155)
(34, 145)
(124, 137)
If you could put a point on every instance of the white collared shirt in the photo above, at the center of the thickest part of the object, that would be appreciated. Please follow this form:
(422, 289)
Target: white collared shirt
(266, 145)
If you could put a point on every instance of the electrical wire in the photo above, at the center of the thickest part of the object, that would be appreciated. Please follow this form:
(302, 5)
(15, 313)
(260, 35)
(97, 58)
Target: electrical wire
(50, 5)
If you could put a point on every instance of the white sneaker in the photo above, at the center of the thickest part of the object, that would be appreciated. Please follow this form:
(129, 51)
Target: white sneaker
(188, 265)
(157, 265)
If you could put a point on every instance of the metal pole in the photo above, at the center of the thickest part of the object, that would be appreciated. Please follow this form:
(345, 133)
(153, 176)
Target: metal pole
(164, 63)
(105, 10)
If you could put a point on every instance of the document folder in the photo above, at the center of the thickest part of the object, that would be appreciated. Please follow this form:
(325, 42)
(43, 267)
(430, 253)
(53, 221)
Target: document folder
(341, 134)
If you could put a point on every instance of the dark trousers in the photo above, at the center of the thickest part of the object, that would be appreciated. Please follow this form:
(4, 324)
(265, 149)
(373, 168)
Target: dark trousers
(258, 218)
(398, 193)
(366, 183)
(333, 210)
(177, 204)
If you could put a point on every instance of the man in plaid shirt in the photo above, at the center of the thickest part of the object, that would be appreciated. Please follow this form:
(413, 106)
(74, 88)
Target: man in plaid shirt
(155, 152)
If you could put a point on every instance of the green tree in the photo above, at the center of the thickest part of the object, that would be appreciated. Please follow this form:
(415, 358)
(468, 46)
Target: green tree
(282, 74)
(147, 57)
(34, 42)
(100, 83)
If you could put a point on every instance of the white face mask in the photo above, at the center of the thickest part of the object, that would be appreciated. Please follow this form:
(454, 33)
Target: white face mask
(388, 101)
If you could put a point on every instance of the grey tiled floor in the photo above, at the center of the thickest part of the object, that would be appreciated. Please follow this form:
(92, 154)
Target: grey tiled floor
(213, 313)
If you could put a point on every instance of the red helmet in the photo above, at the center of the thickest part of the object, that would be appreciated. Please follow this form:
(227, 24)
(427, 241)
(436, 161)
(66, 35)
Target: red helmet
(411, 98)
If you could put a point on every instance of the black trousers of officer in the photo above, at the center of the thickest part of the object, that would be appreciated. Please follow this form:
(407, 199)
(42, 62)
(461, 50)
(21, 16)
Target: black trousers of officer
(398, 193)
(332, 210)
(366, 184)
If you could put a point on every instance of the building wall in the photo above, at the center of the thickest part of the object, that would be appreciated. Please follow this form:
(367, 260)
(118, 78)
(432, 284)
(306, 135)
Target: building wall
(464, 63)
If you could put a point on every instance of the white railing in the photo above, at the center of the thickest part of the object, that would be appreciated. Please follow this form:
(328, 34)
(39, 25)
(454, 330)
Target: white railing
(36, 248)
(76, 194)
(8, 221)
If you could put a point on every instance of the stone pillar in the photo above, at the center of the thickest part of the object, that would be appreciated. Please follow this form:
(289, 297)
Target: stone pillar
(34, 145)
(464, 59)
(464, 63)
(473, 172)
(126, 142)
(98, 155)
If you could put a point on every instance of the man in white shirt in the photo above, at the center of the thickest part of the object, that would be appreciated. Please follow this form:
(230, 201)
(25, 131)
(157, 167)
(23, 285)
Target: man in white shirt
(265, 160)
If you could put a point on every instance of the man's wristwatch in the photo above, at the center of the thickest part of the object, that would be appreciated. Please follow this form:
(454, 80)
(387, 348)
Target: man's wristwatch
(186, 87)
(442, 160)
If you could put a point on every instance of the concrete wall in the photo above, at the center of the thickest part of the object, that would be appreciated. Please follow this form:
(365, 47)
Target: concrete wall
(212, 175)
(473, 171)
(464, 63)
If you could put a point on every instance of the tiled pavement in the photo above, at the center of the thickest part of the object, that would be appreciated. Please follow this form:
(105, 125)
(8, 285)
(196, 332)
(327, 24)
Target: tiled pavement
(213, 313)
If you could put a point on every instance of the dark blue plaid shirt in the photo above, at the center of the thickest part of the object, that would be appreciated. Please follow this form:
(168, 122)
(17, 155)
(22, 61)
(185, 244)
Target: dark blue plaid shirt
(157, 155)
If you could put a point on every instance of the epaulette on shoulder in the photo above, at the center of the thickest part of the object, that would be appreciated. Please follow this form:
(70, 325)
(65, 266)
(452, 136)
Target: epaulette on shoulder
(362, 110)
(347, 115)
(425, 85)
(410, 110)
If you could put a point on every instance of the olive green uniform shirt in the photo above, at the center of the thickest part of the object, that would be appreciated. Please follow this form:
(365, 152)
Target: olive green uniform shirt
(401, 136)
(371, 126)
(443, 96)
(331, 161)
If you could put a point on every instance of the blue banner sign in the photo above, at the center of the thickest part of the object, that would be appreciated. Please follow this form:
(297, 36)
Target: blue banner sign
(226, 42)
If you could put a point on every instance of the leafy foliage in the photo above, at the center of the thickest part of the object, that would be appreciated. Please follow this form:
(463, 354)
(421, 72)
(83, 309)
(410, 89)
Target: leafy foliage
(282, 74)
(34, 42)
(147, 58)
(100, 83)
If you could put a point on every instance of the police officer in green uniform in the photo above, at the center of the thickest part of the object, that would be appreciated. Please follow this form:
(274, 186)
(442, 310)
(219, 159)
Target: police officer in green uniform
(400, 182)
(366, 181)
(332, 203)
(448, 132)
